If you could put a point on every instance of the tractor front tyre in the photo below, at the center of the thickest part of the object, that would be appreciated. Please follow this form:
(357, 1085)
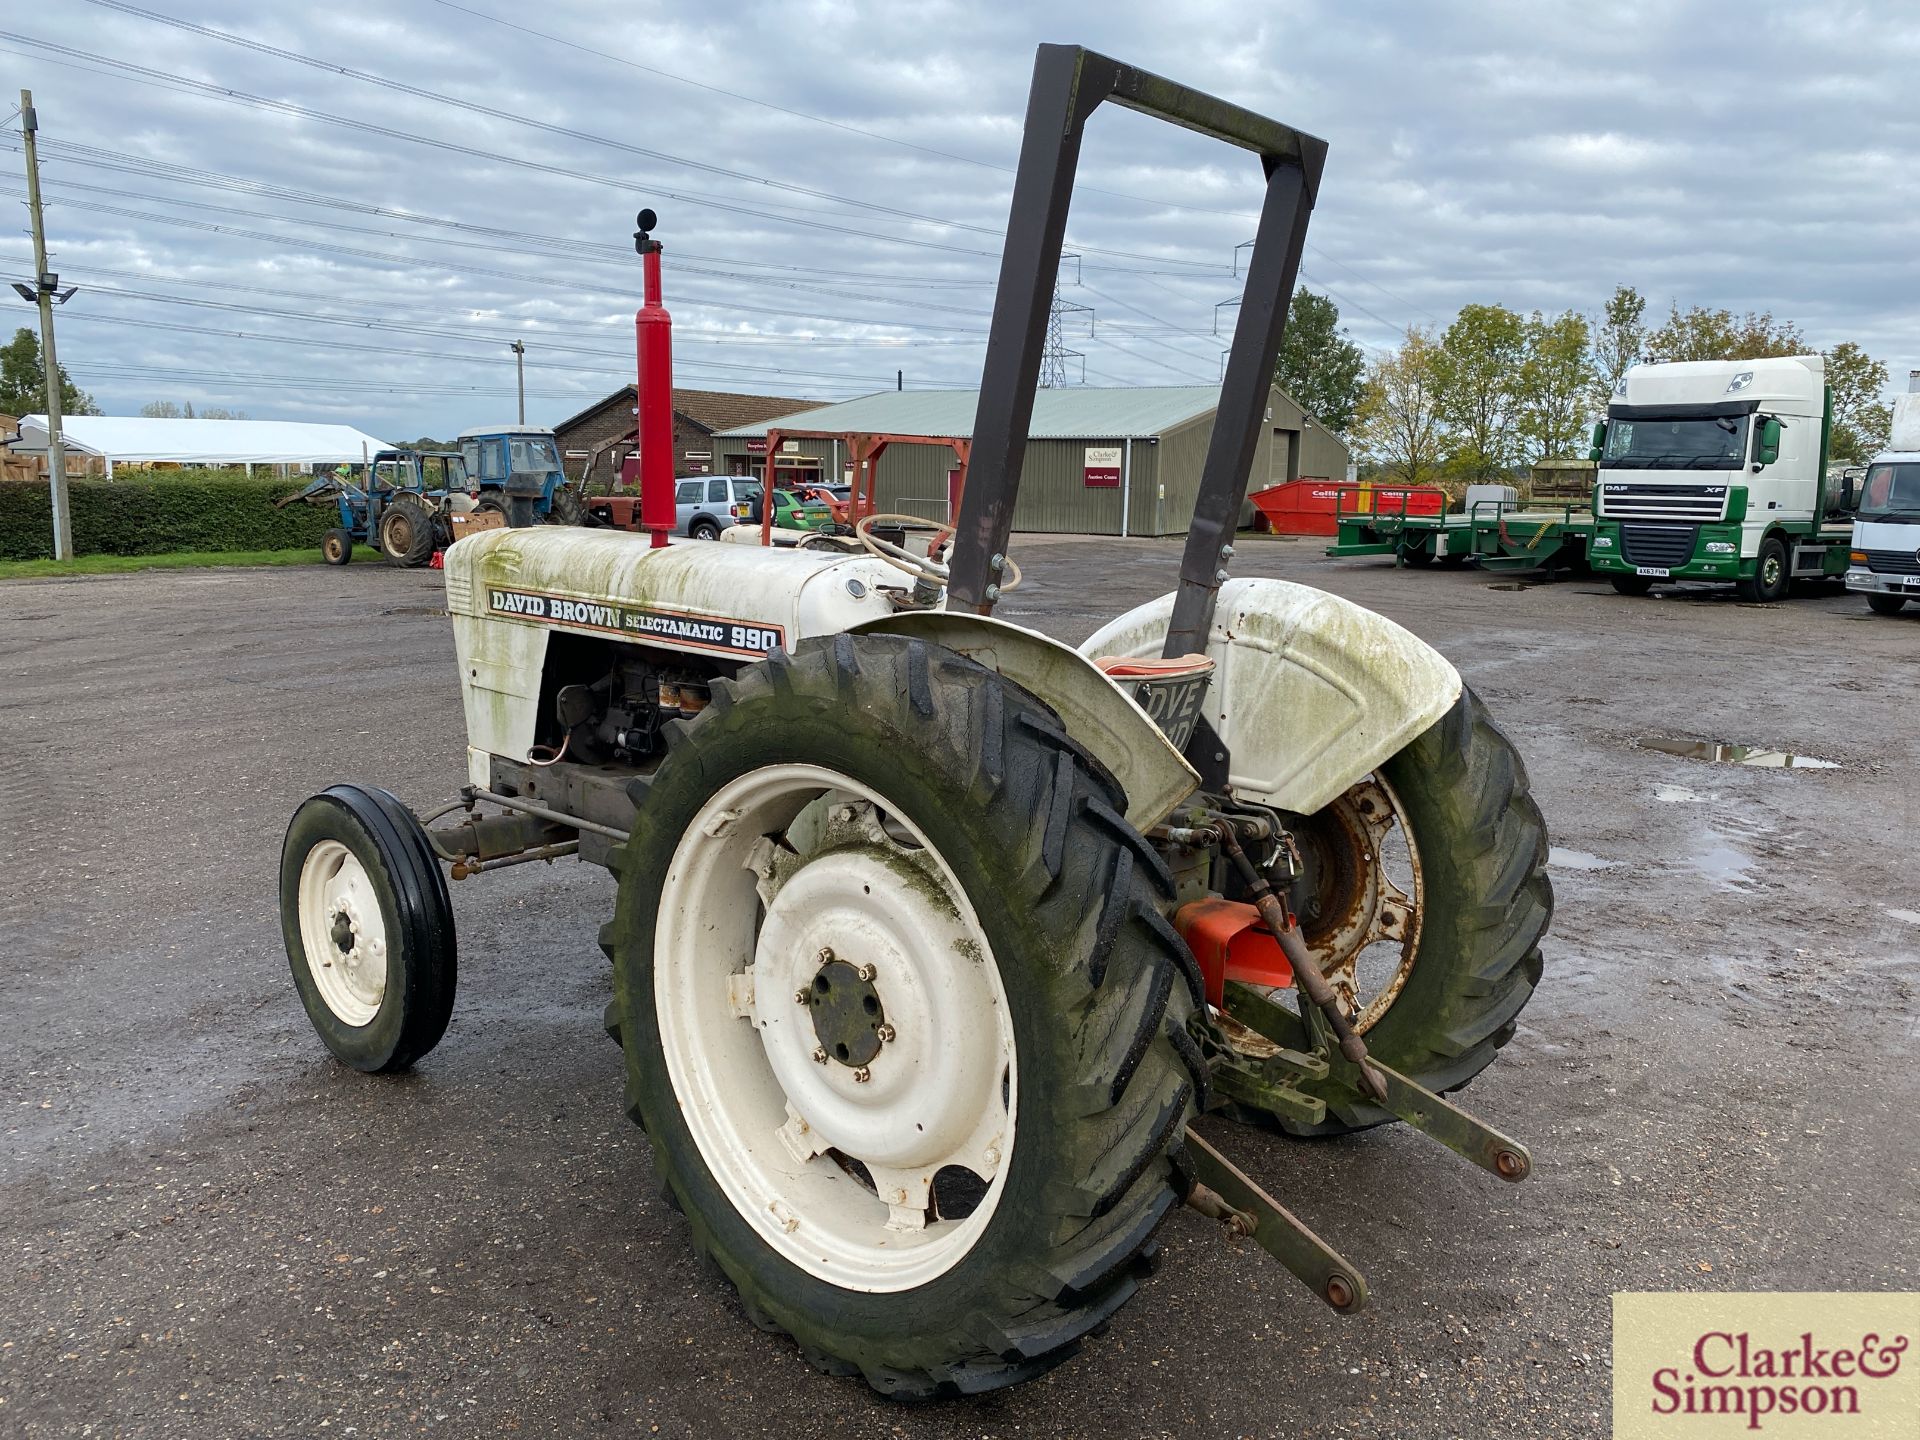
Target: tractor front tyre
(1886, 604)
(1444, 965)
(336, 546)
(406, 533)
(903, 1016)
(493, 501)
(368, 927)
(1631, 584)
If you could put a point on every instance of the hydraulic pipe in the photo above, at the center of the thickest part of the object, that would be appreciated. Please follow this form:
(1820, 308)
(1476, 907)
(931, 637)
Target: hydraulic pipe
(653, 425)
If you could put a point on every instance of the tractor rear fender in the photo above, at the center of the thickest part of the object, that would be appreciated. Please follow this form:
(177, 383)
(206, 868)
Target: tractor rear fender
(1310, 692)
(1095, 711)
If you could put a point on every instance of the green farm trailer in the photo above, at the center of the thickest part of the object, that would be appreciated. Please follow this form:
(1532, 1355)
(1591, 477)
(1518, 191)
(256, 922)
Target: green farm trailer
(1494, 535)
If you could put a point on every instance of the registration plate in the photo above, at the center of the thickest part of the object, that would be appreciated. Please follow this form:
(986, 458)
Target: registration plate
(1653, 570)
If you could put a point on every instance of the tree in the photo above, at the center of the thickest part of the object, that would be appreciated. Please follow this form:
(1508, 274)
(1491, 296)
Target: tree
(23, 384)
(160, 410)
(1397, 423)
(1618, 340)
(1554, 388)
(1860, 421)
(1476, 370)
(1703, 334)
(219, 412)
(1319, 364)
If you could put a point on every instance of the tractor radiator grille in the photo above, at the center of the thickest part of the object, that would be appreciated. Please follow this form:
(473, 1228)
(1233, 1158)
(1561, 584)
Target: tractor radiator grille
(1663, 545)
(459, 594)
(1636, 500)
(1893, 562)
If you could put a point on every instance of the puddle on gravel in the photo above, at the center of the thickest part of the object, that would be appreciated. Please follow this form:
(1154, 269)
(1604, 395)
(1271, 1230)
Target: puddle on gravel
(1912, 917)
(1677, 795)
(1724, 864)
(1560, 859)
(1726, 754)
(1510, 585)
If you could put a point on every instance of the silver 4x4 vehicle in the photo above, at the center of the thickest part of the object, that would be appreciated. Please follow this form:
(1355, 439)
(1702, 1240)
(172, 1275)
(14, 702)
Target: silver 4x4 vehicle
(703, 504)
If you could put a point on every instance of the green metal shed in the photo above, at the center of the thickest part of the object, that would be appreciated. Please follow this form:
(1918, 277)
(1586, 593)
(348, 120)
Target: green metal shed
(1099, 461)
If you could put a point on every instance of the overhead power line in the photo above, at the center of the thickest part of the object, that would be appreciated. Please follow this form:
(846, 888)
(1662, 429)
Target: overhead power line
(517, 118)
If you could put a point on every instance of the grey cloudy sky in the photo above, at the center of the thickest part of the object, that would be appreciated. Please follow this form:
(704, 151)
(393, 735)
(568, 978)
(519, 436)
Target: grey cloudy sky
(1750, 156)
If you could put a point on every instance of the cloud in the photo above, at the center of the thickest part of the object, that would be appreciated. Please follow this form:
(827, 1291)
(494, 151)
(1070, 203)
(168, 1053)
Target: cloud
(1536, 155)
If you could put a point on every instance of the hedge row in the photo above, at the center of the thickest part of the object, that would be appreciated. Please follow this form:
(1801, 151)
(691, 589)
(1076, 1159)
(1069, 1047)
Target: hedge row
(155, 514)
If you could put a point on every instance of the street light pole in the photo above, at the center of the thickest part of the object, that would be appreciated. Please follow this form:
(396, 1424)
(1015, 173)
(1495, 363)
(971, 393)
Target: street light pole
(44, 285)
(520, 376)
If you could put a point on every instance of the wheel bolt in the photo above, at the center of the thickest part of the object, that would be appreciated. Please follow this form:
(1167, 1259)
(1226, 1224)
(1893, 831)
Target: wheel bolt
(819, 1055)
(865, 972)
(800, 996)
(884, 1034)
(862, 1075)
(826, 955)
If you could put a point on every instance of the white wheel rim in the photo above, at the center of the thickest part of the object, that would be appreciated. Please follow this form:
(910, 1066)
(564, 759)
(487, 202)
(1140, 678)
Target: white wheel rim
(343, 933)
(774, 1125)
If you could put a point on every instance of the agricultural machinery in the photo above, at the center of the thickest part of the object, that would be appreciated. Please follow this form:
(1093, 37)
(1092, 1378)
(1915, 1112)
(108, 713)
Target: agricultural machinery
(516, 471)
(399, 501)
(933, 936)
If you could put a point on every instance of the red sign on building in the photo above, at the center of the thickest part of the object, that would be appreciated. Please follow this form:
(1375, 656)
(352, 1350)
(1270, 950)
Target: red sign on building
(1102, 470)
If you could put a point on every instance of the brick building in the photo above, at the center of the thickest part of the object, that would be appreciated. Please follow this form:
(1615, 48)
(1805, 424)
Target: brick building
(697, 416)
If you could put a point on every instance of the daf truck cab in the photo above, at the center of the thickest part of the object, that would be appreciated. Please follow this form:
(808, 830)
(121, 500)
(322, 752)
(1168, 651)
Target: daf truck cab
(1716, 471)
(1886, 533)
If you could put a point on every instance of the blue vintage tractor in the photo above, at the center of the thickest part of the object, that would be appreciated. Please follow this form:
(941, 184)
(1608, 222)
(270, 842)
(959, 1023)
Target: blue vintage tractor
(399, 502)
(517, 472)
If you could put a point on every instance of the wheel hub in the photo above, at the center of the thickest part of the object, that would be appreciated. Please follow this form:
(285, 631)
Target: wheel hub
(848, 1018)
(343, 933)
(886, 965)
(1348, 901)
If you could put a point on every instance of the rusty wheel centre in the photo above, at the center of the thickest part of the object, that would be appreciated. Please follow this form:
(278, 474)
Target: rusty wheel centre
(1359, 922)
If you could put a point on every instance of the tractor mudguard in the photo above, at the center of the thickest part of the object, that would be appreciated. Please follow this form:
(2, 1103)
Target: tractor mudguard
(1096, 712)
(1310, 691)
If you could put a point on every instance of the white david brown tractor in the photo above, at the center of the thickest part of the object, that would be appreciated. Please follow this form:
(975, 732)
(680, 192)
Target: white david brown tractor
(933, 936)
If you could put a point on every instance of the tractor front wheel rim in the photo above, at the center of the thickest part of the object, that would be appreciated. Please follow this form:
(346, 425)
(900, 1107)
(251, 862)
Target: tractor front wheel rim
(835, 1028)
(343, 932)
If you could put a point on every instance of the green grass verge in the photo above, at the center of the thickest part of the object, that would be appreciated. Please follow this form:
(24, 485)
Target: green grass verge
(177, 560)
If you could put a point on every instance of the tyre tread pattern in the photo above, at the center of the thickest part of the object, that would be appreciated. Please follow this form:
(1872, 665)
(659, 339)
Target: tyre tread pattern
(1117, 980)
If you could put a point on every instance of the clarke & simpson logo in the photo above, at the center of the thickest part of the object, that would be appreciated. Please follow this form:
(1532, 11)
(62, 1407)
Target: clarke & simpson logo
(1782, 1365)
(1731, 1375)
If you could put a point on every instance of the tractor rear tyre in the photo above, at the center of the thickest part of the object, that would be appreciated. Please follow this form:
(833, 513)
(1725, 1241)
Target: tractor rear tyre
(1632, 584)
(336, 546)
(568, 508)
(406, 533)
(1463, 940)
(368, 927)
(929, 1126)
(1886, 604)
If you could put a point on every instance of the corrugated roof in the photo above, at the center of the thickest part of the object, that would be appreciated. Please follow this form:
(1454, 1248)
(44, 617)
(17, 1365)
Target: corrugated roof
(1074, 413)
(709, 409)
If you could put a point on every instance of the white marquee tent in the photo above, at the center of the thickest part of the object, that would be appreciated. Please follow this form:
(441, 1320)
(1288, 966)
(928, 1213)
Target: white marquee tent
(126, 438)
